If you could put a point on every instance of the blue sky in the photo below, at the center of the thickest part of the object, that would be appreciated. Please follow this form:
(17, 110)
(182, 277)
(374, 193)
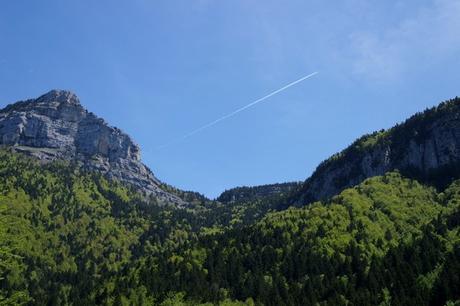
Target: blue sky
(160, 69)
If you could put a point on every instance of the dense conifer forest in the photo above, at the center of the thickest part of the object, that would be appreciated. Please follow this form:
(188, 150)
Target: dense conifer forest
(72, 238)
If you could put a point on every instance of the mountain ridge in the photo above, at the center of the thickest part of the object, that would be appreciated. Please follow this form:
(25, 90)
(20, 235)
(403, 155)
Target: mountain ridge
(426, 146)
(248, 193)
(56, 126)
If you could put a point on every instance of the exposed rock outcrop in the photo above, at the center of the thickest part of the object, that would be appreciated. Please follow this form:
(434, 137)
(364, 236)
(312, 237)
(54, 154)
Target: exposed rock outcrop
(426, 147)
(56, 126)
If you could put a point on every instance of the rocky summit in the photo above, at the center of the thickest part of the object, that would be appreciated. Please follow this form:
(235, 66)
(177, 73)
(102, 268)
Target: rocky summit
(56, 126)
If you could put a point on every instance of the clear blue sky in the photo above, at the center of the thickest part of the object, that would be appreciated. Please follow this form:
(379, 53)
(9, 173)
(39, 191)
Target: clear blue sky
(159, 69)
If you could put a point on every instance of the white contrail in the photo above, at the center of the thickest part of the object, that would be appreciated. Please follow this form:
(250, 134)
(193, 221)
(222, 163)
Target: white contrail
(238, 110)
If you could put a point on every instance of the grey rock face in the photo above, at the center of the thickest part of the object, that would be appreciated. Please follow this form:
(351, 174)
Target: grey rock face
(426, 144)
(56, 126)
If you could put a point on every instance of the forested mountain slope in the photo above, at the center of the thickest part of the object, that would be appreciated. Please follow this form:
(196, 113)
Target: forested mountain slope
(426, 147)
(73, 238)
(247, 194)
(69, 237)
(388, 238)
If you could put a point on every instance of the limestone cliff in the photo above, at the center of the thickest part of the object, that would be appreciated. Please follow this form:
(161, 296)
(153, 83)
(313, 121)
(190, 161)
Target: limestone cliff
(426, 147)
(56, 126)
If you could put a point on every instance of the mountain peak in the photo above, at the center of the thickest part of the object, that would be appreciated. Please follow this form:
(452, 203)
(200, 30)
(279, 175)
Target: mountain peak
(56, 126)
(61, 96)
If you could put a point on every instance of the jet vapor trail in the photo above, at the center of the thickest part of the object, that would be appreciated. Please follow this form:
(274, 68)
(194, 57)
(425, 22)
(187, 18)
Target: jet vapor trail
(238, 110)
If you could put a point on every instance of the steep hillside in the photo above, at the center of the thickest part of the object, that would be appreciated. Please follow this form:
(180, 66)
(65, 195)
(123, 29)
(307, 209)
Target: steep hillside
(56, 126)
(73, 238)
(388, 241)
(426, 147)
